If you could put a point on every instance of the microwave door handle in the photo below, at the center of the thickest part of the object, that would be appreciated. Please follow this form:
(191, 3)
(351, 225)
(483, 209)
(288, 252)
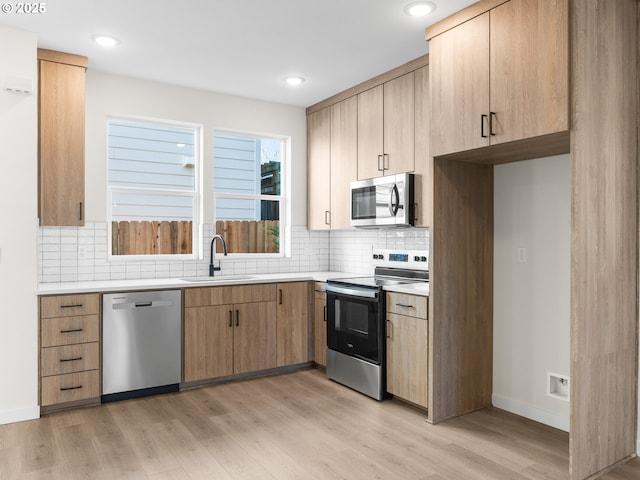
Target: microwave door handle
(394, 206)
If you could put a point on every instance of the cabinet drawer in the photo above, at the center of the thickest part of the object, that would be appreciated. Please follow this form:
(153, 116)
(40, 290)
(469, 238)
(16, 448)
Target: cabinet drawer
(69, 305)
(69, 388)
(406, 304)
(207, 296)
(261, 292)
(320, 287)
(69, 358)
(69, 330)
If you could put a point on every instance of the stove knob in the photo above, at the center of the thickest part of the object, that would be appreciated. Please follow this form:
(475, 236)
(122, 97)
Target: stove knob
(423, 259)
(416, 258)
(381, 257)
(375, 256)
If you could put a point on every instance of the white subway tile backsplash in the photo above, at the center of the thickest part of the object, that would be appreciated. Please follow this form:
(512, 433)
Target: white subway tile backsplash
(80, 254)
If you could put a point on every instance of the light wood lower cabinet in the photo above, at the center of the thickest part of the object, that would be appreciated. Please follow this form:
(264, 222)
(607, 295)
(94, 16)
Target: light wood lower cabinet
(245, 328)
(293, 323)
(69, 348)
(320, 324)
(407, 347)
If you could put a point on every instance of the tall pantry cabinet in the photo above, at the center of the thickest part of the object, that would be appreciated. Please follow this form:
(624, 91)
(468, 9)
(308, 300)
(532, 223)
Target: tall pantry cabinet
(61, 124)
(595, 118)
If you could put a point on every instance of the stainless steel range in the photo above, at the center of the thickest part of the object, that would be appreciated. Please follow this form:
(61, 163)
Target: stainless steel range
(356, 335)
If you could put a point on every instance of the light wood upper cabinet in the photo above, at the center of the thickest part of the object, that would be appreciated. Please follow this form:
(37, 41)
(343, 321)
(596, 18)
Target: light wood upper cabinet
(459, 64)
(319, 170)
(399, 124)
(370, 133)
(529, 69)
(386, 122)
(292, 323)
(61, 106)
(332, 165)
(500, 77)
(423, 178)
(344, 160)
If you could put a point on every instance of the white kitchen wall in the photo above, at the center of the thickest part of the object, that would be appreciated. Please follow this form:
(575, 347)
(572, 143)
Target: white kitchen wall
(117, 95)
(18, 234)
(531, 298)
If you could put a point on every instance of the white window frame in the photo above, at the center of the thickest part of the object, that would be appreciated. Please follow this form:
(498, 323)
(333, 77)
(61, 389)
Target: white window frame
(284, 197)
(197, 204)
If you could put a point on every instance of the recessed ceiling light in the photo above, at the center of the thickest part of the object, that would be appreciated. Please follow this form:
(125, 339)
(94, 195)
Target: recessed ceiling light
(294, 81)
(105, 40)
(419, 9)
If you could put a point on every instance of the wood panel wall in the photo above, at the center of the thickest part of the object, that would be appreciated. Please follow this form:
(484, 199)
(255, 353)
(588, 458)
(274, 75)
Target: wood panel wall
(461, 330)
(604, 234)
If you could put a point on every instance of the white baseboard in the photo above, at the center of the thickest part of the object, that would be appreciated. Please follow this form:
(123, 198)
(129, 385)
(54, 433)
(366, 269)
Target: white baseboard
(19, 414)
(532, 412)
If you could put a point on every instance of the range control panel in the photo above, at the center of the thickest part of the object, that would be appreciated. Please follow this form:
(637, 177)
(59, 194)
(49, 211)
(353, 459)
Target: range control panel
(412, 259)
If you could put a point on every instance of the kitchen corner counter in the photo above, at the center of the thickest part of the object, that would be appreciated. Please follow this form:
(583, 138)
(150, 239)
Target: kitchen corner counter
(173, 283)
(418, 288)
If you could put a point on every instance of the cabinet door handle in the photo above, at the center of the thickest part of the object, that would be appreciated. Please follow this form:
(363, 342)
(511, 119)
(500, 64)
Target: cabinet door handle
(404, 305)
(74, 359)
(74, 330)
(237, 318)
(230, 318)
(280, 295)
(327, 217)
(385, 161)
(483, 119)
(62, 389)
(71, 306)
(389, 329)
(491, 117)
(81, 212)
(325, 313)
(380, 163)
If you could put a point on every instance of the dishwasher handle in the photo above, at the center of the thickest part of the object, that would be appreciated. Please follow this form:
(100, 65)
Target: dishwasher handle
(132, 305)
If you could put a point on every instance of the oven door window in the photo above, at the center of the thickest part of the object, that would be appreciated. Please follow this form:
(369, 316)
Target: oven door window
(353, 327)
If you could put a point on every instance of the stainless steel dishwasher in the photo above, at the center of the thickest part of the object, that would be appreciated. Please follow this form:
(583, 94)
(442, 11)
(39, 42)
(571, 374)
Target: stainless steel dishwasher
(141, 343)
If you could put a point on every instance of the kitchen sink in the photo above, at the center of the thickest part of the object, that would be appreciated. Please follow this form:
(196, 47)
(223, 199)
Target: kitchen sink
(222, 278)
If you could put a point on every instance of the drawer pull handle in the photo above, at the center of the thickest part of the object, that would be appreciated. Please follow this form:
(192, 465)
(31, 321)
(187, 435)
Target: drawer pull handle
(404, 305)
(72, 306)
(62, 389)
(74, 330)
(70, 359)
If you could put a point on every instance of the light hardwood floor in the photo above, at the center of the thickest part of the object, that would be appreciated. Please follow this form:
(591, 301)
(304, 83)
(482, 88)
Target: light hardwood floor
(291, 426)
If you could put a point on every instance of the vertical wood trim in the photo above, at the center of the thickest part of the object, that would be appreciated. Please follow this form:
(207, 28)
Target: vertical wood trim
(604, 234)
(461, 333)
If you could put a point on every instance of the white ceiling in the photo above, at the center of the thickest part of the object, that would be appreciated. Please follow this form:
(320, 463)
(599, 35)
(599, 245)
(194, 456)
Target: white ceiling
(240, 47)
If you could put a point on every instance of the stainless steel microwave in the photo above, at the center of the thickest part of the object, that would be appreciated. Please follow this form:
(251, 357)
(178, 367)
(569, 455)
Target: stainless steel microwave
(383, 202)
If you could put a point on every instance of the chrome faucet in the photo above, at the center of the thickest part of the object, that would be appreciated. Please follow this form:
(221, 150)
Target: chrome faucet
(213, 269)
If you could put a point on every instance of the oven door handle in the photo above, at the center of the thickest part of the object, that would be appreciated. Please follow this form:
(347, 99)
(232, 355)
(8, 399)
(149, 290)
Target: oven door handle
(353, 291)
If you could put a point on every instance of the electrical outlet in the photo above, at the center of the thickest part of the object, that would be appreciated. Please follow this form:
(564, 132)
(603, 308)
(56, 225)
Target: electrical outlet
(522, 255)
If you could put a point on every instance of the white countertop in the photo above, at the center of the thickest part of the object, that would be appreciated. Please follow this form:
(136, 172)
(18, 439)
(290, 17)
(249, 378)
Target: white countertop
(418, 288)
(169, 283)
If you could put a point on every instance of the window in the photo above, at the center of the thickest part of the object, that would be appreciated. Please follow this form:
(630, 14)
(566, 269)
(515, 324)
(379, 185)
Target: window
(249, 193)
(152, 187)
